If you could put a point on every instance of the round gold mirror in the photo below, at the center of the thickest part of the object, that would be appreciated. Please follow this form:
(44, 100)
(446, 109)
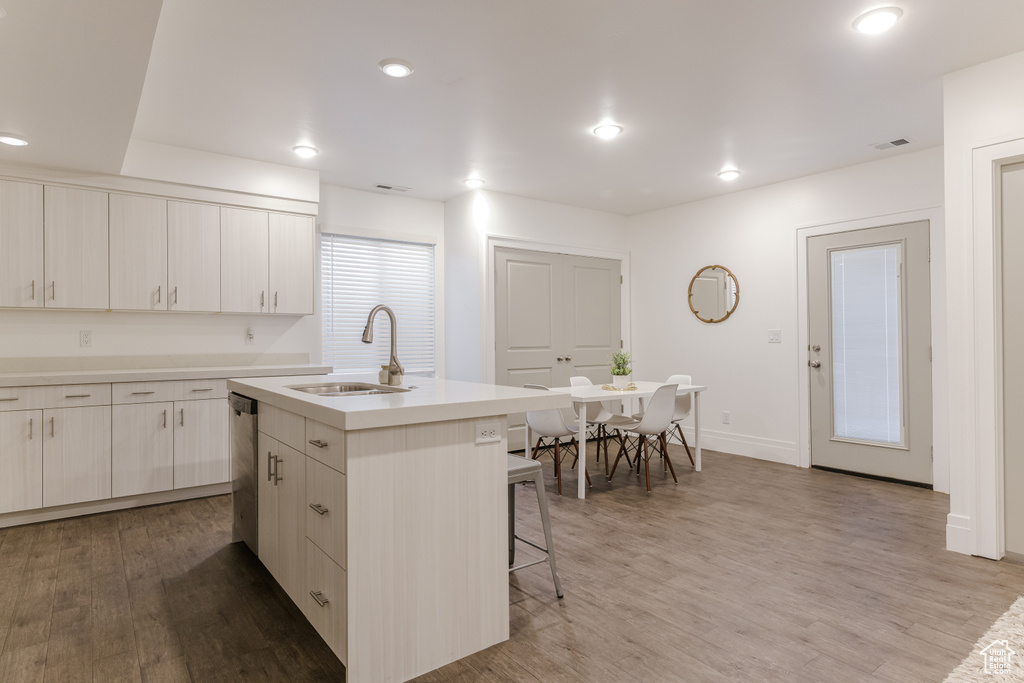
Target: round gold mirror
(714, 293)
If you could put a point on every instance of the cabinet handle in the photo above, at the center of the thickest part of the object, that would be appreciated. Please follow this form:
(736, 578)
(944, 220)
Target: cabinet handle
(269, 459)
(175, 294)
(78, 396)
(165, 419)
(560, 359)
(142, 393)
(318, 443)
(277, 469)
(30, 428)
(319, 597)
(33, 290)
(209, 389)
(261, 298)
(53, 287)
(51, 427)
(182, 417)
(275, 300)
(158, 293)
(318, 508)
(568, 357)
(8, 399)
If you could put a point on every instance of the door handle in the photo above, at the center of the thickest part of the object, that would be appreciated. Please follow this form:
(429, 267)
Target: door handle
(269, 459)
(165, 419)
(816, 348)
(51, 427)
(182, 417)
(277, 468)
(319, 597)
(318, 443)
(814, 363)
(318, 508)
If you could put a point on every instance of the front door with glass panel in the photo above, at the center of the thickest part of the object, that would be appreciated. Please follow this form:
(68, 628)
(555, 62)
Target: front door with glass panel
(870, 352)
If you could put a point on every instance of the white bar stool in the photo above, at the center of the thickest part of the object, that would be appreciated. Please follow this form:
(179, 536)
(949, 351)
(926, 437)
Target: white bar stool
(522, 470)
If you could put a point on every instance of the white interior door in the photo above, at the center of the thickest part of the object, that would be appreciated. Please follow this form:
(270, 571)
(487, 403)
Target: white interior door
(1012, 193)
(555, 316)
(870, 355)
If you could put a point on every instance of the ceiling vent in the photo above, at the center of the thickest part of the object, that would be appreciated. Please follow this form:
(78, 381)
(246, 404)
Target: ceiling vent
(392, 188)
(892, 143)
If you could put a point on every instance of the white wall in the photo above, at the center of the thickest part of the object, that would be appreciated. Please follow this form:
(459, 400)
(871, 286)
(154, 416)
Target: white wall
(753, 233)
(372, 214)
(470, 220)
(983, 105)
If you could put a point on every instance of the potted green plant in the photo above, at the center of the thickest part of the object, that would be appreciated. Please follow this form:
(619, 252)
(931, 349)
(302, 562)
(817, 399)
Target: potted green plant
(620, 369)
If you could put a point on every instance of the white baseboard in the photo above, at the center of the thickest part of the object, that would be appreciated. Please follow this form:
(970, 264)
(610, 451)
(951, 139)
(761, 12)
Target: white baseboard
(773, 450)
(96, 506)
(958, 534)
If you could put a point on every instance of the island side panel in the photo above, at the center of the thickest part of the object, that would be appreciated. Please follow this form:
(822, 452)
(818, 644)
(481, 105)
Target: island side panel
(427, 547)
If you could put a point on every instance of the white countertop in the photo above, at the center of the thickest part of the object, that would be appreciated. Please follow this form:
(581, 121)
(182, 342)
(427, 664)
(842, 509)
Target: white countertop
(432, 400)
(154, 374)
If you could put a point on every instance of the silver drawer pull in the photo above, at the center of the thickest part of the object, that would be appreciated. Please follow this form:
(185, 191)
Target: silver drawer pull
(318, 443)
(210, 389)
(78, 396)
(318, 508)
(9, 399)
(30, 428)
(142, 393)
(319, 597)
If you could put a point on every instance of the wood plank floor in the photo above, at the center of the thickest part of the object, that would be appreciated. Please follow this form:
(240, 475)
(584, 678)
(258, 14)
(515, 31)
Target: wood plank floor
(747, 571)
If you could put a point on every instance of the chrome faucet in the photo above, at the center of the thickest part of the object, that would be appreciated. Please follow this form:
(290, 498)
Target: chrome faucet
(395, 369)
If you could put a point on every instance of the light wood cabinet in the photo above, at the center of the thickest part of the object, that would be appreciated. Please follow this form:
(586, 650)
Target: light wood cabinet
(244, 252)
(21, 244)
(291, 264)
(142, 449)
(76, 261)
(200, 443)
(21, 460)
(324, 602)
(193, 257)
(326, 510)
(138, 253)
(76, 455)
(281, 503)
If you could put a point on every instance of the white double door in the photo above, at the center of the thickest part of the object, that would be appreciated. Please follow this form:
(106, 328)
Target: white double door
(555, 316)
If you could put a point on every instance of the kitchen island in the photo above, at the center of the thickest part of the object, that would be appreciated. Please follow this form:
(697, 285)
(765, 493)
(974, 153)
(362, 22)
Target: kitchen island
(384, 516)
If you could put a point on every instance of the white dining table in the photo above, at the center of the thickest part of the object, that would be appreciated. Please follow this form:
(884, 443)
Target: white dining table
(596, 394)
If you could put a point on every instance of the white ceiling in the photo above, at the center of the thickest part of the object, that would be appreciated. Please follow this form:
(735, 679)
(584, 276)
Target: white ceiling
(509, 90)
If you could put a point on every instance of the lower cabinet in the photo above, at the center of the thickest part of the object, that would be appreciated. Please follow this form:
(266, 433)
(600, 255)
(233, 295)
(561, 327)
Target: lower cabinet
(281, 503)
(142, 449)
(324, 601)
(201, 443)
(21, 460)
(76, 455)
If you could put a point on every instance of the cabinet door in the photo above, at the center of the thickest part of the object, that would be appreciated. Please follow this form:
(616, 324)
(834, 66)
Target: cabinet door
(267, 502)
(324, 600)
(201, 443)
(290, 471)
(244, 261)
(21, 460)
(138, 253)
(76, 455)
(142, 449)
(291, 264)
(21, 244)
(75, 248)
(193, 257)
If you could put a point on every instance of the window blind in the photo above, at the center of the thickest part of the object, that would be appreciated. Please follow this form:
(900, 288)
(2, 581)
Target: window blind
(359, 273)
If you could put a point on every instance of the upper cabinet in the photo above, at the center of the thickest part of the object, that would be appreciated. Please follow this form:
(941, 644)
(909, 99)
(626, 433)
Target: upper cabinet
(193, 257)
(21, 244)
(75, 268)
(291, 264)
(244, 261)
(138, 253)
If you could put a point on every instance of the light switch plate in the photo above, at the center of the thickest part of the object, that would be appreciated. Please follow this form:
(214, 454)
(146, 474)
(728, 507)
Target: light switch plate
(488, 432)
(774, 336)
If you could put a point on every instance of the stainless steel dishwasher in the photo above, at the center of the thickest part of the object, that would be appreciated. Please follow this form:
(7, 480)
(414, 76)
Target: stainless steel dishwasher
(244, 470)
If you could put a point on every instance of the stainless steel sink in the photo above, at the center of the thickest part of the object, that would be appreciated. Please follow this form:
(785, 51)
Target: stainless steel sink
(348, 389)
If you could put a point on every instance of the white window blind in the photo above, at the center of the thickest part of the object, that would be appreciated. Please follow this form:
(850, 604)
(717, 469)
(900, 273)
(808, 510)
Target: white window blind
(866, 326)
(359, 273)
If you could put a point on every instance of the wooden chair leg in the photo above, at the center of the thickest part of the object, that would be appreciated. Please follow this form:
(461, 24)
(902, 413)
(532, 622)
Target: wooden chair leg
(622, 449)
(647, 463)
(668, 460)
(558, 466)
(685, 445)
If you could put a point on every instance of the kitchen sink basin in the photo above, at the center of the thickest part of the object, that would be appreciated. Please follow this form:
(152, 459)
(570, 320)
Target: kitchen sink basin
(348, 389)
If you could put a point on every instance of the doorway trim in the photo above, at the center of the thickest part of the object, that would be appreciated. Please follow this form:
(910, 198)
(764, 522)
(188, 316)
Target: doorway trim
(936, 238)
(497, 241)
(980, 431)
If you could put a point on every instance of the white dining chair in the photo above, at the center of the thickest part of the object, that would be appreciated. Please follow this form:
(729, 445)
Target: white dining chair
(684, 404)
(655, 423)
(551, 424)
(604, 418)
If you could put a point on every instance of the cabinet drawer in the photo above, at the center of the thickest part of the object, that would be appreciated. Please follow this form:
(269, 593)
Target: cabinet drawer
(326, 509)
(288, 428)
(325, 444)
(325, 600)
(67, 396)
(25, 398)
(169, 390)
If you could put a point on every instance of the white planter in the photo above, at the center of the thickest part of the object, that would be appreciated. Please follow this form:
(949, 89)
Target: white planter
(620, 381)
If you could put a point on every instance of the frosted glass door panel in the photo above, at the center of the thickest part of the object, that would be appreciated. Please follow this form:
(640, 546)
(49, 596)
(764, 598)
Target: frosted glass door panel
(866, 340)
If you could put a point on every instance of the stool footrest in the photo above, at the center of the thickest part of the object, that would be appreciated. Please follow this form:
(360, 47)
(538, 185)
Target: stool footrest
(532, 544)
(528, 564)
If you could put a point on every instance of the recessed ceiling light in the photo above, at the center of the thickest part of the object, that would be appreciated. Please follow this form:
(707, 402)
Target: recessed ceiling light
(729, 174)
(396, 68)
(878, 20)
(607, 131)
(12, 140)
(473, 183)
(305, 151)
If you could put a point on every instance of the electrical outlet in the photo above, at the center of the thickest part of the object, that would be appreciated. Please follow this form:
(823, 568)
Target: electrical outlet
(726, 417)
(250, 336)
(488, 432)
(774, 336)
(85, 338)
